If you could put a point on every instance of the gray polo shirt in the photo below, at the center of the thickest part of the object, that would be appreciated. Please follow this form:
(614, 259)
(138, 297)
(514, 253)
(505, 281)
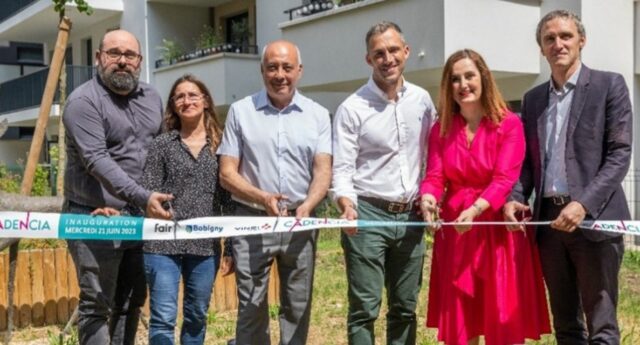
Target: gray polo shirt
(107, 140)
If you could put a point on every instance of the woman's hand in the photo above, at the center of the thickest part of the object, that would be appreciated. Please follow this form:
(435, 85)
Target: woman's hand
(466, 216)
(429, 209)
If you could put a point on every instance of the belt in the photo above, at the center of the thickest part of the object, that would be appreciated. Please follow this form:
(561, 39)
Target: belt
(558, 200)
(257, 211)
(260, 207)
(389, 206)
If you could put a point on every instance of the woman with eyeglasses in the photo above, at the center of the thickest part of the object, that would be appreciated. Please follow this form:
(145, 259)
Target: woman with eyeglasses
(485, 280)
(182, 162)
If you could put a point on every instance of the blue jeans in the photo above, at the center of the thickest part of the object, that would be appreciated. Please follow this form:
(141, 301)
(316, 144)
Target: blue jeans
(163, 276)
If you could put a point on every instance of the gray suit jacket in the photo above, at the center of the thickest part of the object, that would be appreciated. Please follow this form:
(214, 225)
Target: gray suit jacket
(598, 148)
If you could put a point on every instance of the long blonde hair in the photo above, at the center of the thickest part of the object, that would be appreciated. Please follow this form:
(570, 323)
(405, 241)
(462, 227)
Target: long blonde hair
(494, 105)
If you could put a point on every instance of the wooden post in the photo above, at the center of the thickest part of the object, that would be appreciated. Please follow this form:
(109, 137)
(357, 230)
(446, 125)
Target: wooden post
(13, 255)
(45, 105)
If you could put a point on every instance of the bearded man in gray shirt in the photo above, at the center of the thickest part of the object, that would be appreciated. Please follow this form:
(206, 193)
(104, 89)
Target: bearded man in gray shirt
(110, 122)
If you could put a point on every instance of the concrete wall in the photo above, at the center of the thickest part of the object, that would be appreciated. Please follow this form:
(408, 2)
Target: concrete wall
(164, 23)
(269, 14)
(77, 39)
(333, 46)
(636, 43)
(229, 77)
(501, 31)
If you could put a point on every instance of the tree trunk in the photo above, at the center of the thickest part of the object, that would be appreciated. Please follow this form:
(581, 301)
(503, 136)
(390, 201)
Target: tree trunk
(62, 153)
(45, 106)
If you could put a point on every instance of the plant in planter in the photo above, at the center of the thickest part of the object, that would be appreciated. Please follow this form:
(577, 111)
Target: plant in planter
(207, 40)
(170, 51)
(241, 34)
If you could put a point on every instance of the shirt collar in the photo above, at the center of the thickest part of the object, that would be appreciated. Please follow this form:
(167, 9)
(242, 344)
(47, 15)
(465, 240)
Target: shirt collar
(263, 101)
(570, 84)
(174, 134)
(378, 92)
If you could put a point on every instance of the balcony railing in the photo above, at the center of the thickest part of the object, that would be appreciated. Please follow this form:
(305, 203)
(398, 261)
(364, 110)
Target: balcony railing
(222, 48)
(9, 8)
(26, 91)
(310, 7)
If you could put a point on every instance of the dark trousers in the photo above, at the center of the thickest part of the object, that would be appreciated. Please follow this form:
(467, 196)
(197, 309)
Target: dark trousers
(253, 255)
(387, 256)
(112, 287)
(582, 279)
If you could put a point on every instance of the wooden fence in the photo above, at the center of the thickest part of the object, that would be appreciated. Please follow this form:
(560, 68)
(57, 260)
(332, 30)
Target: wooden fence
(46, 289)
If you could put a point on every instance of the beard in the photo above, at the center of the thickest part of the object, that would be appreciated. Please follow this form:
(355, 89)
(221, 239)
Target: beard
(119, 80)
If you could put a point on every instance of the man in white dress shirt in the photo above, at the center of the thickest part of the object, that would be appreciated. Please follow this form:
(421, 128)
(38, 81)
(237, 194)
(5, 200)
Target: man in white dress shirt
(379, 145)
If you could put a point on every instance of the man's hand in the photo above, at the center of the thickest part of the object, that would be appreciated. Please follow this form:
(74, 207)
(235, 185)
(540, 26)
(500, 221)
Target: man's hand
(570, 217)
(105, 211)
(154, 206)
(509, 211)
(303, 211)
(272, 204)
(226, 266)
(349, 213)
(429, 209)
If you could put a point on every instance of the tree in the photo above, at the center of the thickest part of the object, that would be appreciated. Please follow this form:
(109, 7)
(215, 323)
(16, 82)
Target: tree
(59, 6)
(55, 67)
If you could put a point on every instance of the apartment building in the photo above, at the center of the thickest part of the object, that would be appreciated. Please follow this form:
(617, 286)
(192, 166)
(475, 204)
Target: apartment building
(330, 37)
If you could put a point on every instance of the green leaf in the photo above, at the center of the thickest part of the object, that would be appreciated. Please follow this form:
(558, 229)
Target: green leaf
(82, 5)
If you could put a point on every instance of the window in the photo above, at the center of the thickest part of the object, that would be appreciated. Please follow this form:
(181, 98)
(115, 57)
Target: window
(237, 28)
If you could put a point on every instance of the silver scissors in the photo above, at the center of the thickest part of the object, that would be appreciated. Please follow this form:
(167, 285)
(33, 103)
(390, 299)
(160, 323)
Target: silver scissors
(173, 218)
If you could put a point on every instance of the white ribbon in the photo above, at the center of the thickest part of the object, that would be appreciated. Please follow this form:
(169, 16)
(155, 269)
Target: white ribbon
(74, 226)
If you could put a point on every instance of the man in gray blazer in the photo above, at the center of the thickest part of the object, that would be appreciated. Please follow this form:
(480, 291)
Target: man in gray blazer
(578, 134)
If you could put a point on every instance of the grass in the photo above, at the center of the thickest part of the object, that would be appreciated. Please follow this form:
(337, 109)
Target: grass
(328, 317)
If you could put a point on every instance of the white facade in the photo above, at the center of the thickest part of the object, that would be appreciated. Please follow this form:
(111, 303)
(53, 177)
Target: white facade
(332, 42)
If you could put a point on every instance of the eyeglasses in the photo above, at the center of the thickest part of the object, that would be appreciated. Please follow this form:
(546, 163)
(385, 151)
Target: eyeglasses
(115, 55)
(192, 97)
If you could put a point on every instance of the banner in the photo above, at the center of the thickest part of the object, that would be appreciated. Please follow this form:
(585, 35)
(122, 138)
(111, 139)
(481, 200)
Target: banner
(77, 226)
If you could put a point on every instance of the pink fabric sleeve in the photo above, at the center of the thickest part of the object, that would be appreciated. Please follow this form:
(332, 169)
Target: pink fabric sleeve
(510, 155)
(433, 182)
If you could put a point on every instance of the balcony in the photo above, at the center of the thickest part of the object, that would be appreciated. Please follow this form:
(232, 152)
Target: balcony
(217, 49)
(26, 92)
(433, 30)
(229, 76)
(12, 7)
(35, 20)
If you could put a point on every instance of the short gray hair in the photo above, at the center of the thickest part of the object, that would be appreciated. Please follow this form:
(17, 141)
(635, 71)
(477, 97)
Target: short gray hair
(380, 28)
(559, 14)
(264, 50)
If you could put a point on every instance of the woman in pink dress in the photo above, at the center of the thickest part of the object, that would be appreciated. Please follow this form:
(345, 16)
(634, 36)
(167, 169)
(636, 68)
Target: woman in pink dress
(485, 280)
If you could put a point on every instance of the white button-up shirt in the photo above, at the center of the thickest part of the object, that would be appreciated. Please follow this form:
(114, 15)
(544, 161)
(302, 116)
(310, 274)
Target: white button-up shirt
(379, 144)
(276, 147)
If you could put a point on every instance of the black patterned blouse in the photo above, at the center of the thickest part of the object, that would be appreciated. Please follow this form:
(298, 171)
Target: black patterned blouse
(171, 168)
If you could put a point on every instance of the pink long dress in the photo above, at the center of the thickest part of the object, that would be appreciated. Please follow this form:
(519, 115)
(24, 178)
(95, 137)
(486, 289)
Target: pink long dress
(488, 280)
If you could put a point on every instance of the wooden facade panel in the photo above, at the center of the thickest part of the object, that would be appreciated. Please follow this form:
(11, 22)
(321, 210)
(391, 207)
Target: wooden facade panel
(51, 290)
(37, 287)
